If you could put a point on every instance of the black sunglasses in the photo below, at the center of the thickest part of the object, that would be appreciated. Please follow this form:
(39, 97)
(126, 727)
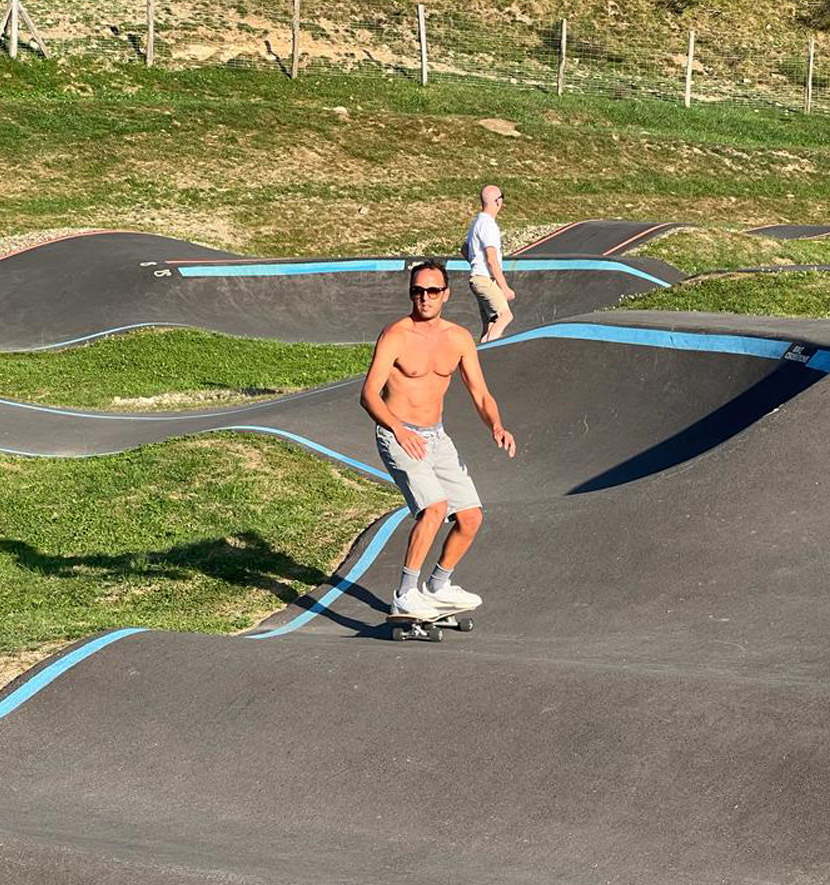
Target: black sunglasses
(432, 291)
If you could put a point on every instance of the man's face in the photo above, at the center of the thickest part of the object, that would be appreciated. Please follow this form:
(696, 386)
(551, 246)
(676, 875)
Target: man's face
(428, 294)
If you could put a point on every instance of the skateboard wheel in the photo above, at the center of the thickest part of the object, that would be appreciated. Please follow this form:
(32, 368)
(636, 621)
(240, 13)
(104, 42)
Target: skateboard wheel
(435, 634)
(398, 634)
(465, 625)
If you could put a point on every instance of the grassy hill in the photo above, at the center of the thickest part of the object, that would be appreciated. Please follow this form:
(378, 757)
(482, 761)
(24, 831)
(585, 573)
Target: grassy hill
(337, 165)
(637, 44)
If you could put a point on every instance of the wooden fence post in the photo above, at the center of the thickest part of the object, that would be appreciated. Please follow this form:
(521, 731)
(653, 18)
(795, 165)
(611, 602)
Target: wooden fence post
(808, 85)
(422, 40)
(563, 55)
(150, 54)
(295, 41)
(15, 25)
(690, 61)
(27, 20)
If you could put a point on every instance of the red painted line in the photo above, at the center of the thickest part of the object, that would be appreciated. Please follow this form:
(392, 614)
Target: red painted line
(223, 260)
(638, 236)
(544, 239)
(89, 233)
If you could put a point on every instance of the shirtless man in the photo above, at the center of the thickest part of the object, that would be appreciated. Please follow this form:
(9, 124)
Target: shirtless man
(415, 358)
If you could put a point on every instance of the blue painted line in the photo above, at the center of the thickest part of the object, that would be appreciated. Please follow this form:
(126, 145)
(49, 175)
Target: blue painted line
(357, 571)
(316, 447)
(820, 361)
(71, 341)
(50, 673)
(560, 264)
(767, 348)
(289, 269)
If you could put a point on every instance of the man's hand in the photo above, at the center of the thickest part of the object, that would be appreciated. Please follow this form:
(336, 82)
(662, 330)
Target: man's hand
(508, 293)
(504, 440)
(412, 443)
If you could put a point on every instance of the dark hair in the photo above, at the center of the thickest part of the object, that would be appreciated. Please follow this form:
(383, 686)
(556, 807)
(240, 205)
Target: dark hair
(428, 264)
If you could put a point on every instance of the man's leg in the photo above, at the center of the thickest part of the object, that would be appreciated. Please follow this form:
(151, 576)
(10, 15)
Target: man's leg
(423, 535)
(461, 536)
(439, 589)
(481, 287)
(496, 329)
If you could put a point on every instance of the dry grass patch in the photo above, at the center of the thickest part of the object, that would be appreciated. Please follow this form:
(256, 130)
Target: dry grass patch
(14, 665)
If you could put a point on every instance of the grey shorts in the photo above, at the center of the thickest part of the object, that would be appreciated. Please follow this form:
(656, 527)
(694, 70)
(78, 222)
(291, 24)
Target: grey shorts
(440, 476)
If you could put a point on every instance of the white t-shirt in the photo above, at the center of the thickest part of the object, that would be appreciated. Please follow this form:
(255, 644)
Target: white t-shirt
(483, 232)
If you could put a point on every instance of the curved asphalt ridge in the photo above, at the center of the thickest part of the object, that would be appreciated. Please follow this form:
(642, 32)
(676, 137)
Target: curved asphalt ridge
(644, 700)
(792, 231)
(76, 289)
(597, 237)
(615, 237)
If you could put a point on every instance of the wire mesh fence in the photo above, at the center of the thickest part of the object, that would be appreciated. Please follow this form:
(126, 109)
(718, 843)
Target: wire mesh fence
(765, 68)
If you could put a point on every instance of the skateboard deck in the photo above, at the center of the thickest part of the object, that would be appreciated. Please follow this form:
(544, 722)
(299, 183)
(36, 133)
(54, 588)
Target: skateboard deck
(430, 629)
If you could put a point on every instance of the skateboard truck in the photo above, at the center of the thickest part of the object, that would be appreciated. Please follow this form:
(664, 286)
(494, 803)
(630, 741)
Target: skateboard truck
(404, 627)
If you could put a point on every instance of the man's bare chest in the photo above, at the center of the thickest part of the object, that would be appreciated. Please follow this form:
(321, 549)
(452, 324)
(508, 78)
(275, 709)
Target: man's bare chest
(423, 357)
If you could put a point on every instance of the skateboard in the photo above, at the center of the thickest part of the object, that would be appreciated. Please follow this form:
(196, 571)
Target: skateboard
(432, 629)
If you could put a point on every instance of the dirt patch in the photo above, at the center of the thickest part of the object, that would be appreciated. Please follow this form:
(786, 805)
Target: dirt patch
(500, 127)
(12, 666)
(19, 242)
(194, 399)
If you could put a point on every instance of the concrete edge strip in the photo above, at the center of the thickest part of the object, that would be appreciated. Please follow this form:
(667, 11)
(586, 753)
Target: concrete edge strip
(760, 347)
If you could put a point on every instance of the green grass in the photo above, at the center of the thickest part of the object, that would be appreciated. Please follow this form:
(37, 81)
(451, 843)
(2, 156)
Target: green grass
(255, 162)
(181, 368)
(700, 250)
(790, 294)
(205, 534)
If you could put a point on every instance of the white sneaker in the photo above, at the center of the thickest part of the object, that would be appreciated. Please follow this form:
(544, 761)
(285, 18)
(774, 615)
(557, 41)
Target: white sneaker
(452, 596)
(414, 604)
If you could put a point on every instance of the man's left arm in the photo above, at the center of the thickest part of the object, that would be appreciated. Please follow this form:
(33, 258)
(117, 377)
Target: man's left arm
(486, 406)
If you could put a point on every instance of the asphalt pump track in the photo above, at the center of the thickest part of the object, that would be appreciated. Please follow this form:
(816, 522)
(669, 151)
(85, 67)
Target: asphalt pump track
(644, 699)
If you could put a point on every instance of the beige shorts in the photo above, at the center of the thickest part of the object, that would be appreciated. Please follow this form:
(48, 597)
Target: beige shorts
(490, 298)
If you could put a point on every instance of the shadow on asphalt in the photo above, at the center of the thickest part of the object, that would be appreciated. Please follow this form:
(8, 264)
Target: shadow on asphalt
(782, 385)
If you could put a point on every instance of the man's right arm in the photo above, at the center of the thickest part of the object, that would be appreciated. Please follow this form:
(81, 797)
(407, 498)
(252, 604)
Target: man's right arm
(386, 352)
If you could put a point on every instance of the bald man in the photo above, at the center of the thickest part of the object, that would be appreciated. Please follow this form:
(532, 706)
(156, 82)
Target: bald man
(483, 251)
